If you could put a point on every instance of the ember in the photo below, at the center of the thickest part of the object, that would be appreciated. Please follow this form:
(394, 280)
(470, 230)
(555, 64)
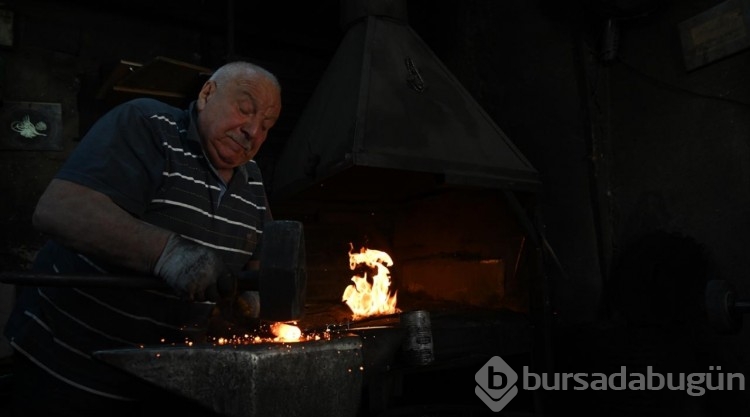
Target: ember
(273, 333)
(286, 332)
(362, 297)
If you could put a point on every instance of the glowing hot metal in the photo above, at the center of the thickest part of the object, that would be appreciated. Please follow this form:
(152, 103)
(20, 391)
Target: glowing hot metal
(286, 332)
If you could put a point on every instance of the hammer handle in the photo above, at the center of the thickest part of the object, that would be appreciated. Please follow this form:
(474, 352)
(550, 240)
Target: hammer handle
(246, 281)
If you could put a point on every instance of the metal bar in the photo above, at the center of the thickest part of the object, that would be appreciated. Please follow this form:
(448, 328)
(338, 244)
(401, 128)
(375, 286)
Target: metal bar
(99, 281)
(248, 280)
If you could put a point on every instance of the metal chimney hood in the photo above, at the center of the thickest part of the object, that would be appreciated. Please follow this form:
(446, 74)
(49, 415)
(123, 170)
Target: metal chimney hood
(388, 115)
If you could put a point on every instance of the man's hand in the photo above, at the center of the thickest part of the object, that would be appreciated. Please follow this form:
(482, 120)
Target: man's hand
(236, 314)
(194, 271)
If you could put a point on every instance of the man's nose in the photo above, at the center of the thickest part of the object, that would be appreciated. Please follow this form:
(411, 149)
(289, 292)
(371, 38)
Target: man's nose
(252, 129)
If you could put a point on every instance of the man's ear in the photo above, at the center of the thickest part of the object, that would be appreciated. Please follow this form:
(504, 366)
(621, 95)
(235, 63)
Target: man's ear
(209, 87)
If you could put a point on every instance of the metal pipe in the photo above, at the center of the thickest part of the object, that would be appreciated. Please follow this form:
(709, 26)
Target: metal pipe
(742, 306)
(230, 30)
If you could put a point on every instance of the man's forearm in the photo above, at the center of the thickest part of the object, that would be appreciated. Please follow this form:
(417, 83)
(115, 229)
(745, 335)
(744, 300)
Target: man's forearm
(89, 222)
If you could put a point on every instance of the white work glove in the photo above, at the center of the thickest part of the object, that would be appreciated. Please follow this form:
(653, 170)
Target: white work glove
(195, 272)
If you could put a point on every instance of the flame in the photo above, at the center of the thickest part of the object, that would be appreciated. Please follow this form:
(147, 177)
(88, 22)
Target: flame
(363, 298)
(286, 332)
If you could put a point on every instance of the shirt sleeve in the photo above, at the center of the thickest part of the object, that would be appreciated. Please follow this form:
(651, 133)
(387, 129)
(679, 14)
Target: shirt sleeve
(121, 156)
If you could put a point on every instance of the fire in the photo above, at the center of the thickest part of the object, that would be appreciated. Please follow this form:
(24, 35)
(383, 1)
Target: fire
(286, 332)
(363, 298)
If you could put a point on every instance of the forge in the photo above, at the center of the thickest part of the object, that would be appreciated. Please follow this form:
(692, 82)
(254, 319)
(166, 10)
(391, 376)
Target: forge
(393, 154)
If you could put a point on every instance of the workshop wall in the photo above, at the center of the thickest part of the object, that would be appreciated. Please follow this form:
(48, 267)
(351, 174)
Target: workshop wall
(680, 143)
(520, 61)
(645, 171)
(63, 54)
(632, 147)
(680, 154)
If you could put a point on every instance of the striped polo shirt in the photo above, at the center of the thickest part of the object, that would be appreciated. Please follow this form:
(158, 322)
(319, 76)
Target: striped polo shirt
(147, 157)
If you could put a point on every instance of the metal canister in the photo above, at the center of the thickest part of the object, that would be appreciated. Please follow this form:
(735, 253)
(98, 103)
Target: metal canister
(417, 348)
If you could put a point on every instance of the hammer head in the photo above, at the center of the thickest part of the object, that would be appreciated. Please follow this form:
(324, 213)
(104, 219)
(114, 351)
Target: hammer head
(282, 279)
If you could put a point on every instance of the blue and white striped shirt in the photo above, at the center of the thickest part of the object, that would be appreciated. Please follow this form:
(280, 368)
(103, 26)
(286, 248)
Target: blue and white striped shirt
(147, 157)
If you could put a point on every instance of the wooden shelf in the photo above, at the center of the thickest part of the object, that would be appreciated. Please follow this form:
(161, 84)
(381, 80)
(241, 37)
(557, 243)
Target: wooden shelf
(166, 79)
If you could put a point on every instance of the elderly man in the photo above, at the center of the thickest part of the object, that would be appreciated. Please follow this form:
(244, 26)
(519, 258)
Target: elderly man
(152, 190)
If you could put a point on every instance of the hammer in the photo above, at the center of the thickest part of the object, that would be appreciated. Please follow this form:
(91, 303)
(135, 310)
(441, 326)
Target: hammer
(280, 282)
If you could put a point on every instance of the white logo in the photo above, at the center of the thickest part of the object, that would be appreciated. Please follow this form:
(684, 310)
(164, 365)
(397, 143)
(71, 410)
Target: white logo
(27, 129)
(496, 383)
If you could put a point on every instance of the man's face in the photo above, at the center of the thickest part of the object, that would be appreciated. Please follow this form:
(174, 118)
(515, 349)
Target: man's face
(234, 118)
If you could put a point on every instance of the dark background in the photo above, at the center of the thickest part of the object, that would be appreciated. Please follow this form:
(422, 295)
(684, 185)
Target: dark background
(645, 164)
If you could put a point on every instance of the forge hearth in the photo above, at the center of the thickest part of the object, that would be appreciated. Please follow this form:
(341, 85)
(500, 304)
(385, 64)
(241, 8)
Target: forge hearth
(459, 247)
(469, 256)
(393, 154)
